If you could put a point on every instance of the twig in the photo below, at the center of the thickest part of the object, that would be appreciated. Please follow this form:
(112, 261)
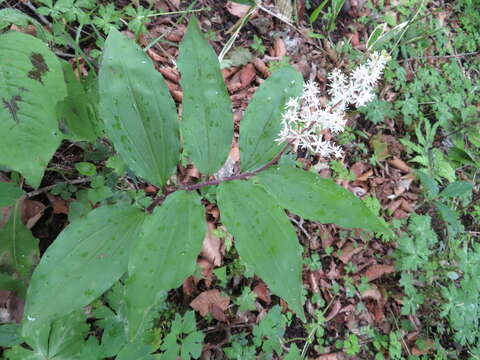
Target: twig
(50, 187)
(40, 16)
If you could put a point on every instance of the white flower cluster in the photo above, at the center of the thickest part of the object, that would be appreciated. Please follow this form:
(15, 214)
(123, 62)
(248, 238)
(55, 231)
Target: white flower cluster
(306, 123)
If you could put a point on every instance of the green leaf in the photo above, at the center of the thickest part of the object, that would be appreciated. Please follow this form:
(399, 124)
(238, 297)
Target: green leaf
(31, 84)
(138, 111)
(315, 198)
(87, 257)
(207, 124)
(75, 110)
(264, 238)
(165, 254)
(10, 335)
(262, 121)
(19, 251)
(457, 188)
(86, 168)
(9, 193)
(428, 183)
(58, 340)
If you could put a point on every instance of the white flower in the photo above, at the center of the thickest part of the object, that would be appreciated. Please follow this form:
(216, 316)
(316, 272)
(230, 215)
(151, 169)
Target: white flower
(305, 121)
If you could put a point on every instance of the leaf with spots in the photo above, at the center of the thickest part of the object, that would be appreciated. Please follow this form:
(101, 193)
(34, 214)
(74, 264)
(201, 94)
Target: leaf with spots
(165, 254)
(86, 258)
(207, 124)
(139, 113)
(315, 198)
(31, 84)
(264, 238)
(263, 118)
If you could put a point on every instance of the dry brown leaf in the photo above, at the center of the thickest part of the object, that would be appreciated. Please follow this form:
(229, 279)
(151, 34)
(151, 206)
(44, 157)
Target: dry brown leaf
(263, 293)
(376, 271)
(247, 74)
(203, 303)
(31, 211)
(238, 10)
(212, 246)
(279, 47)
(347, 252)
(399, 164)
(336, 307)
(372, 293)
(59, 205)
(261, 67)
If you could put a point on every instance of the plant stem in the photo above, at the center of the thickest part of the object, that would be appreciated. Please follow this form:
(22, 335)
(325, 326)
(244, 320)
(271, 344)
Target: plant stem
(243, 176)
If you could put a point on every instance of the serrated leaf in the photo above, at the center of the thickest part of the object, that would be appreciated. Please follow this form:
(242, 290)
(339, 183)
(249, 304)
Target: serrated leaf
(9, 193)
(207, 125)
(30, 87)
(315, 198)
(87, 257)
(74, 112)
(264, 238)
(139, 113)
(262, 122)
(457, 188)
(165, 254)
(61, 339)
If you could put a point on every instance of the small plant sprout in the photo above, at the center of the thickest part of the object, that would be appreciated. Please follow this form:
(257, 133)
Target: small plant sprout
(308, 124)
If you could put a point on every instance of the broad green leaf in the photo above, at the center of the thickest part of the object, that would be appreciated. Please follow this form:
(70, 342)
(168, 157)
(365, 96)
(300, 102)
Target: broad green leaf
(19, 251)
(138, 111)
(74, 111)
(61, 339)
(264, 238)
(263, 118)
(315, 198)
(10, 16)
(165, 254)
(207, 125)
(87, 257)
(10, 334)
(31, 84)
(9, 193)
(457, 188)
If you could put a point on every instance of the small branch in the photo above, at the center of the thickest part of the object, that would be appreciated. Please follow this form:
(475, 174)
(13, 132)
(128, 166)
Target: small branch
(48, 188)
(40, 16)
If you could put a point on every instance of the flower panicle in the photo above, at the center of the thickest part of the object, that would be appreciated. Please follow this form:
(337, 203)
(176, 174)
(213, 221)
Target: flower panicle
(309, 125)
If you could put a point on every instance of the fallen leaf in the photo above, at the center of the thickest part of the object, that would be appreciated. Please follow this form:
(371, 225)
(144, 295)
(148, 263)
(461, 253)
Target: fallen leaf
(212, 246)
(375, 272)
(203, 303)
(347, 252)
(263, 293)
(59, 205)
(399, 164)
(247, 74)
(31, 211)
(279, 47)
(337, 305)
(236, 9)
